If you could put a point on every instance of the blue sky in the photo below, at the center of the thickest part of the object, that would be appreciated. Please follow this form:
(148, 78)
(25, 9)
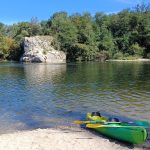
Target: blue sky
(12, 11)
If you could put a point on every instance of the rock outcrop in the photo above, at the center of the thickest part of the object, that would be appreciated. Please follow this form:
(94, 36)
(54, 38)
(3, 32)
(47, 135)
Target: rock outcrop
(40, 49)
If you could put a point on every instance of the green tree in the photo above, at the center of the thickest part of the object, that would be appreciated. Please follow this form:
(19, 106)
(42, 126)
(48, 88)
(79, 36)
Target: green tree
(84, 37)
(65, 32)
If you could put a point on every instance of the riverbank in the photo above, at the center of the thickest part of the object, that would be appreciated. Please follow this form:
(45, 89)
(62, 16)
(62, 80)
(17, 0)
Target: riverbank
(136, 60)
(118, 60)
(64, 138)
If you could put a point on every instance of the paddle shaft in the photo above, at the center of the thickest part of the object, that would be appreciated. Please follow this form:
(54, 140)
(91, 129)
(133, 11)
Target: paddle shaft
(103, 122)
(94, 122)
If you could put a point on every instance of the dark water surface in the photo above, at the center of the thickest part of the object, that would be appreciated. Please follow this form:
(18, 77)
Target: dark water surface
(45, 95)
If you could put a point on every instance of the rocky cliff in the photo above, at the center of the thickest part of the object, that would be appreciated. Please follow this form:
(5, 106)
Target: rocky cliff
(40, 49)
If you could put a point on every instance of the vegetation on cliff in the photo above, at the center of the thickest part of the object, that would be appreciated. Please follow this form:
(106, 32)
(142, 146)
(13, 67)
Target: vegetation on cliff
(85, 37)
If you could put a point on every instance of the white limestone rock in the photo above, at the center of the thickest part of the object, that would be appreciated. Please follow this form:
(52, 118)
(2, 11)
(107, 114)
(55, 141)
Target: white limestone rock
(40, 49)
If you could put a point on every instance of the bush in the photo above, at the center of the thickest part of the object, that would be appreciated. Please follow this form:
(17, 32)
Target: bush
(135, 49)
(118, 55)
(126, 55)
(148, 55)
(103, 55)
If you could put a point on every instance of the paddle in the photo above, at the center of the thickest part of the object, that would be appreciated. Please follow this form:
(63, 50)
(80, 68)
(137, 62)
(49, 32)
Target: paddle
(136, 123)
(111, 126)
(93, 122)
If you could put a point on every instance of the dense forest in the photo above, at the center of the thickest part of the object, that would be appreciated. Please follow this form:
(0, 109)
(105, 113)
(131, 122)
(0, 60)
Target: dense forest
(83, 37)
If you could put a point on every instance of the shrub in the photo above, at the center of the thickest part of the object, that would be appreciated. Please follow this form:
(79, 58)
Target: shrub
(135, 49)
(103, 55)
(118, 55)
(148, 55)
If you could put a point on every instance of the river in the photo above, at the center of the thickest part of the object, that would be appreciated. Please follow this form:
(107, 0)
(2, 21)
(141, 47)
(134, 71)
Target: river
(47, 95)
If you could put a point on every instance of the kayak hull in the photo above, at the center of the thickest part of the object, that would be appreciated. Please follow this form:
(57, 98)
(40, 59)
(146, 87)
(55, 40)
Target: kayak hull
(134, 135)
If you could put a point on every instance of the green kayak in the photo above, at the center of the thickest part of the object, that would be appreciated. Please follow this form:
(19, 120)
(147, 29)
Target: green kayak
(121, 131)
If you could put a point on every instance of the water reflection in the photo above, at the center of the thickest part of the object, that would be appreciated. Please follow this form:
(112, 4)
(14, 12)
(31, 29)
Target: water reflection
(43, 73)
(111, 87)
(25, 94)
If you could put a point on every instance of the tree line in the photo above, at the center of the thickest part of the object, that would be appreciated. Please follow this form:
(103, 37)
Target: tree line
(83, 37)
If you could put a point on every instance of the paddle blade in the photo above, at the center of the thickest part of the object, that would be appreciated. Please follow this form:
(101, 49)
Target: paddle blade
(94, 126)
(79, 122)
(84, 122)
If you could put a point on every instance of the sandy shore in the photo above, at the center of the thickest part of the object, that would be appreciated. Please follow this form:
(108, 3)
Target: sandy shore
(59, 139)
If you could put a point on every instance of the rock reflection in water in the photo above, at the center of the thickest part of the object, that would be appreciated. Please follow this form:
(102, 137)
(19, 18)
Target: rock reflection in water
(42, 73)
(26, 92)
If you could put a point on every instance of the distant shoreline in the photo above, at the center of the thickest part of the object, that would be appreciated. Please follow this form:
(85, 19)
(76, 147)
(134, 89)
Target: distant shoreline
(136, 60)
(109, 60)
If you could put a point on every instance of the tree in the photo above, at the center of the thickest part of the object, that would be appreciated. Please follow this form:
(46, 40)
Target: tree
(65, 31)
(84, 37)
(6, 46)
(142, 7)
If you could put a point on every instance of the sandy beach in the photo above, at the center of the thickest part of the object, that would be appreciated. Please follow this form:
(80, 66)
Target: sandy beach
(60, 139)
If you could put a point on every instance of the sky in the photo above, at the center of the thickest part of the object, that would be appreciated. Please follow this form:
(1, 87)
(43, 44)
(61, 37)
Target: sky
(13, 11)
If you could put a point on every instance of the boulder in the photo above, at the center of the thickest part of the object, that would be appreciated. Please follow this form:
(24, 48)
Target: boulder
(40, 49)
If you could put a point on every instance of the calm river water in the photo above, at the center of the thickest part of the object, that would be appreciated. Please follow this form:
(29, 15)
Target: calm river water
(46, 95)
